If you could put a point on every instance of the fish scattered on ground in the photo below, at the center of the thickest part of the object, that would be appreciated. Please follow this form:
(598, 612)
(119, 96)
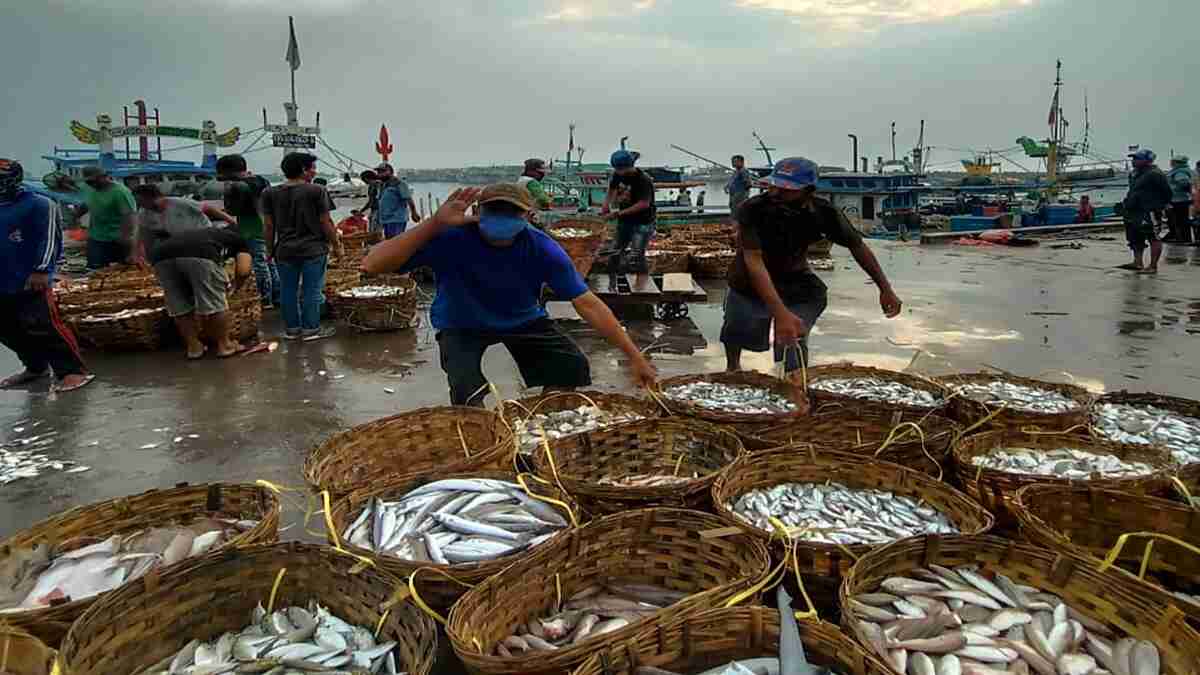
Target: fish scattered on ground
(973, 622)
(26, 457)
(645, 480)
(455, 521)
(123, 314)
(1071, 463)
(81, 568)
(567, 423)
(1016, 396)
(373, 292)
(878, 389)
(1149, 425)
(290, 640)
(593, 611)
(833, 513)
(730, 398)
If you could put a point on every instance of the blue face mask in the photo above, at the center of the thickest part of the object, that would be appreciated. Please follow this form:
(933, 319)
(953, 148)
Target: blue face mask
(501, 228)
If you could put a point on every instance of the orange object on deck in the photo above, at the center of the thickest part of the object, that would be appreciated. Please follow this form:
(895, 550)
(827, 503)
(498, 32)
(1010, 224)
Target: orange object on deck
(353, 224)
(77, 234)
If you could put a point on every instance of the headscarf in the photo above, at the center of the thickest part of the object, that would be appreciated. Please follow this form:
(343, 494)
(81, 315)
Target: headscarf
(11, 175)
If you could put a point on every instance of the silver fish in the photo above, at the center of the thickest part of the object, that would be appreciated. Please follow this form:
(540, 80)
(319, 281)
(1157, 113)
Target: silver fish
(1149, 425)
(1071, 463)
(878, 389)
(1016, 396)
(563, 423)
(730, 398)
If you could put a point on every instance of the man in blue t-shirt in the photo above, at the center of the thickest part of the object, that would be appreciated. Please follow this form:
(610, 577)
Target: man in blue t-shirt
(490, 272)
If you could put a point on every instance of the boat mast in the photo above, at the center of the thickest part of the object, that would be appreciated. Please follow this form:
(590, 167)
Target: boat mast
(763, 147)
(1056, 132)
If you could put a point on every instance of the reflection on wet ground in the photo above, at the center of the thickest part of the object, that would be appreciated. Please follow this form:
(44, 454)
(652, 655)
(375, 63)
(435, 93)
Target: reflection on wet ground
(153, 420)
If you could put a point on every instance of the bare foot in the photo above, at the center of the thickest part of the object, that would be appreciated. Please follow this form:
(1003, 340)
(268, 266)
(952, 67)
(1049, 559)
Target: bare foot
(196, 352)
(73, 382)
(23, 377)
(228, 348)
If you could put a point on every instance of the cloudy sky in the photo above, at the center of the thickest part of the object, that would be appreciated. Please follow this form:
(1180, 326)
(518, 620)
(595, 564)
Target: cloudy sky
(474, 82)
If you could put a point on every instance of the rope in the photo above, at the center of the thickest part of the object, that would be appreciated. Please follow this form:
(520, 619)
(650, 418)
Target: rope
(1123, 539)
(549, 500)
(925, 450)
(275, 589)
(416, 597)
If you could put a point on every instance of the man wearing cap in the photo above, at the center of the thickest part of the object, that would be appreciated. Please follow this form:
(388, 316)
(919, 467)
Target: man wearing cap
(634, 213)
(1180, 179)
(1148, 192)
(770, 280)
(395, 202)
(29, 322)
(110, 228)
(490, 271)
(531, 178)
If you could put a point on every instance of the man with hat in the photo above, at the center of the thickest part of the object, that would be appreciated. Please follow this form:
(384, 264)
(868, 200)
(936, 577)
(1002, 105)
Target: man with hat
(770, 280)
(111, 226)
(531, 178)
(1180, 179)
(29, 321)
(395, 202)
(490, 271)
(1148, 192)
(631, 192)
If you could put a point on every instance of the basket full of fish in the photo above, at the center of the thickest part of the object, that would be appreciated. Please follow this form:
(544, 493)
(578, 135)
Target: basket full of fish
(741, 397)
(600, 585)
(835, 506)
(993, 465)
(863, 388)
(121, 277)
(442, 439)
(1153, 419)
(984, 605)
(379, 306)
(23, 654)
(1091, 522)
(283, 608)
(736, 641)
(81, 302)
(712, 261)
(140, 325)
(655, 462)
(463, 527)
(52, 571)
(342, 274)
(918, 441)
(563, 414)
(1011, 402)
(581, 238)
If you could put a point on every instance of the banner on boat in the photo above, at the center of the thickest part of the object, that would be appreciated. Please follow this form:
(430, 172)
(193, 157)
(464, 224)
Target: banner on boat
(288, 140)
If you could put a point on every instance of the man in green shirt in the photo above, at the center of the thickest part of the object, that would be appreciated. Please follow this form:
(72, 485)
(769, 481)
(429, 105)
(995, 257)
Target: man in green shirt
(531, 178)
(243, 200)
(112, 208)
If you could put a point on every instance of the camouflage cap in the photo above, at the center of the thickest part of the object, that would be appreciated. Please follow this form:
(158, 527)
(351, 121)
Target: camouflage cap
(511, 193)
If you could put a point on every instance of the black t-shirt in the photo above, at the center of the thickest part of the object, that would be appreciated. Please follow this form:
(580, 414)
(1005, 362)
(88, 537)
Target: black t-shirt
(641, 187)
(295, 210)
(783, 233)
(242, 195)
(217, 245)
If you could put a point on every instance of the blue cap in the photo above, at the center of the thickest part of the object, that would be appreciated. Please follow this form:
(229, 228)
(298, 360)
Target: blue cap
(622, 159)
(793, 173)
(1145, 154)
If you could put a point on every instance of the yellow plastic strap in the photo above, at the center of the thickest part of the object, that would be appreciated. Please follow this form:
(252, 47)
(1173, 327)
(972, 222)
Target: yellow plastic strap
(382, 618)
(416, 597)
(812, 610)
(769, 580)
(4, 655)
(55, 669)
(558, 591)
(990, 416)
(921, 434)
(337, 543)
(1146, 560)
(275, 589)
(549, 500)
(462, 439)
(1036, 431)
(678, 463)
(658, 399)
(1187, 494)
(1123, 539)
(557, 480)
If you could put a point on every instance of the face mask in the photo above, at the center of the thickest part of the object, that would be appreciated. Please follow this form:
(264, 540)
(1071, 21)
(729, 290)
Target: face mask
(501, 228)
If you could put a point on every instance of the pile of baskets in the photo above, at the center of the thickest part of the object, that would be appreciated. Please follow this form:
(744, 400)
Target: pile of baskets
(710, 262)
(392, 306)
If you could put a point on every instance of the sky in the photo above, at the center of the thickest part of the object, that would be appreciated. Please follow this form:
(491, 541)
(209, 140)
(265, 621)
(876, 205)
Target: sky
(478, 82)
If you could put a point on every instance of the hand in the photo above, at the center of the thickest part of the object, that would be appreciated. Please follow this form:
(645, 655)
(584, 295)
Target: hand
(889, 302)
(140, 263)
(789, 328)
(611, 216)
(453, 211)
(38, 281)
(642, 372)
(603, 210)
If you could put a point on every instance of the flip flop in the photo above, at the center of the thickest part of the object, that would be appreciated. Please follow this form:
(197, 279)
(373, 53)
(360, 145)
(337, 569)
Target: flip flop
(1128, 266)
(59, 389)
(260, 347)
(1148, 270)
(237, 352)
(197, 357)
(23, 377)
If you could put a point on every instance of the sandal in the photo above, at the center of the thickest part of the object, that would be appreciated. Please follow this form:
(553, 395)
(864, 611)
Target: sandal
(197, 357)
(1129, 266)
(23, 377)
(58, 388)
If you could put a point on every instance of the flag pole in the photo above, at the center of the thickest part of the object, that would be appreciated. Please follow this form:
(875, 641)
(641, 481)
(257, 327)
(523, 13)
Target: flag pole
(292, 35)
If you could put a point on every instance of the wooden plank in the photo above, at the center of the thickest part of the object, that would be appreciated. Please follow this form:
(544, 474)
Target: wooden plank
(641, 284)
(678, 282)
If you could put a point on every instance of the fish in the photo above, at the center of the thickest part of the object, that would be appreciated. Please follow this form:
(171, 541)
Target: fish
(1149, 425)
(1144, 659)
(943, 644)
(987, 587)
(373, 291)
(1031, 656)
(1007, 618)
(1066, 462)
(792, 660)
(731, 398)
(920, 664)
(27, 456)
(949, 665)
(987, 654)
(878, 389)
(1016, 396)
(970, 597)
(561, 424)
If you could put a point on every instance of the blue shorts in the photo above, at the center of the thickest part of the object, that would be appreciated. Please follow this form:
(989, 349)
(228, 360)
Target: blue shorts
(394, 229)
(748, 324)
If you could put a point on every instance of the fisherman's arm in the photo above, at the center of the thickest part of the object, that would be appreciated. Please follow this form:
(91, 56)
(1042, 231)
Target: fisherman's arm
(593, 310)
(46, 231)
(392, 254)
(269, 235)
(217, 213)
(888, 300)
(608, 197)
(760, 279)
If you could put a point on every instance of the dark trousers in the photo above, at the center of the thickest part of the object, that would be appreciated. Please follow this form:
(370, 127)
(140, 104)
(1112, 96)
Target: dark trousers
(544, 354)
(1181, 226)
(101, 254)
(31, 327)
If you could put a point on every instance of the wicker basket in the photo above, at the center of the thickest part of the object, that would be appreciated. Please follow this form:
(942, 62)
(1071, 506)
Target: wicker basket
(1107, 596)
(129, 514)
(997, 489)
(581, 250)
(400, 447)
(81, 303)
(713, 638)
(968, 412)
(435, 589)
(150, 619)
(745, 378)
(245, 312)
(649, 546)
(119, 277)
(1188, 473)
(668, 261)
(868, 433)
(788, 465)
(1088, 522)
(141, 332)
(651, 447)
(824, 400)
(23, 654)
(712, 263)
(395, 312)
(548, 402)
(341, 277)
